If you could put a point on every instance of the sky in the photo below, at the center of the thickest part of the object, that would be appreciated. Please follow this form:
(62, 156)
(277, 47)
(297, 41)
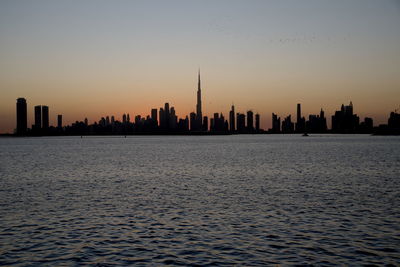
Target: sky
(94, 58)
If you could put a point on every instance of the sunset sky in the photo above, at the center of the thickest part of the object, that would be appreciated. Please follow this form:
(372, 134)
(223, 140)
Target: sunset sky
(98, 58)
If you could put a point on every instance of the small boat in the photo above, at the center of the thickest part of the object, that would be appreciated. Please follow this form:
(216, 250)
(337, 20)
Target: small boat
(305, 134)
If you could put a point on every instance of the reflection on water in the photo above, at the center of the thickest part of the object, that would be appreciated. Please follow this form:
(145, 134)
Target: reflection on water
(200, 200)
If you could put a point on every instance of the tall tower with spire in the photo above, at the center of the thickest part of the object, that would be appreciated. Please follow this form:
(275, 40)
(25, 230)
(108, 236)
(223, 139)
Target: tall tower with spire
(199, 115)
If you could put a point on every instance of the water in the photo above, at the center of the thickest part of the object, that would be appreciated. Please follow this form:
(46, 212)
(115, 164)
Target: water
(249, 200)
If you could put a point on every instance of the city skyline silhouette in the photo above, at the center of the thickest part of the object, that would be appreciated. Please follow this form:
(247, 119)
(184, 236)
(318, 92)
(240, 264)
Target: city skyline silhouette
(92, 59)
(165, 121)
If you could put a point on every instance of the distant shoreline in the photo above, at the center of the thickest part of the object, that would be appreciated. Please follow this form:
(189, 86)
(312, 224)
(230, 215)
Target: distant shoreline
(192, 134)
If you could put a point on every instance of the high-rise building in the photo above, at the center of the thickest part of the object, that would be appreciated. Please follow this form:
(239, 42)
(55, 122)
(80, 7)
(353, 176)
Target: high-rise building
(367, 126)
(287, 125)
(298, 112)
(232, 119)
(59, 121)
(22, 116)
(316, 123)
(205, 123)
(344, 121)
(323, 126)
(218, 123)
(173, 119)
(312, 124)
(241, 122)
(45, 117)
(193, 121)
(162, 118)
(199, 114)
(186, 123)
(257, 122)
(250, 121)
(183, 124)
(38, 117)
(394, 120)
(301, 121)
(167, 115)
(276, 123)
(138, 119)
(154, 115)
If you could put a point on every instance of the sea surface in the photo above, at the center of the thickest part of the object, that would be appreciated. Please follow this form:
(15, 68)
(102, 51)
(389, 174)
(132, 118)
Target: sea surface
(200, 200)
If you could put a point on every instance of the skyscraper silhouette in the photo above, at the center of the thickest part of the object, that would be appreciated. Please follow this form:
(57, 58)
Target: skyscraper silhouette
(167, 115)
(193, 121)
(250, 121)
(172, 119)
(257, 122)
(367, 126)
(232, 119)
(38, 118)
(22, 116)
(344, 121)
(276, 123)
(199, 114)
(154, 115)
(287, 125)
(241, 122)
(162, 118)
(59, 121)
(301, 121)
(298, 112)
(205, 123)
(45, 117)
(394, 120)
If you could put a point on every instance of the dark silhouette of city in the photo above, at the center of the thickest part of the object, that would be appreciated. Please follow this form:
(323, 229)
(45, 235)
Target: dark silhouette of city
(165, 121)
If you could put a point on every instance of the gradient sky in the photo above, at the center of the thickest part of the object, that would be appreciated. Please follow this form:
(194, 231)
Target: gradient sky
(97, 58)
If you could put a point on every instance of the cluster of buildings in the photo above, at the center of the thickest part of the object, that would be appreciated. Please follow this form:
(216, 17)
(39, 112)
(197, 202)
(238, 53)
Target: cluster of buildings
(41, 125)
(343, 121)
(165, 121)
(162, 121)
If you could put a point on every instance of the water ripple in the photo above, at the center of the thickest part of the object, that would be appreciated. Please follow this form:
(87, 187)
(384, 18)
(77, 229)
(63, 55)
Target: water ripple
(226, 200)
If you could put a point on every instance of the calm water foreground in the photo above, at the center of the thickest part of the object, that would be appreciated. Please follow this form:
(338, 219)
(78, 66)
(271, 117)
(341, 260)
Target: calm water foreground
(251, 200)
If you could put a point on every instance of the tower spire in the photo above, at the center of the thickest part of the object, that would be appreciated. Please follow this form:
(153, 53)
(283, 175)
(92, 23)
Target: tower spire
(199, 86)
(199, 114)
